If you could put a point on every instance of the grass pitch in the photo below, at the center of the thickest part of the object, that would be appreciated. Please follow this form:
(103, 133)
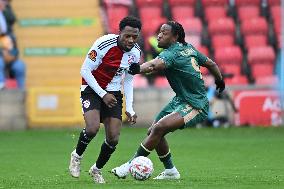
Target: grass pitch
(250, 158)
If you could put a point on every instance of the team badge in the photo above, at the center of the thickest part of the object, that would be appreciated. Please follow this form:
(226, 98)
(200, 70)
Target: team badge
(86, 103)
(92, 55)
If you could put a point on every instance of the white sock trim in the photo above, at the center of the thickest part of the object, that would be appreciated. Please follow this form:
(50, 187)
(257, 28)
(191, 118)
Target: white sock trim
(145, 148)
(165, 154)
(108, 144)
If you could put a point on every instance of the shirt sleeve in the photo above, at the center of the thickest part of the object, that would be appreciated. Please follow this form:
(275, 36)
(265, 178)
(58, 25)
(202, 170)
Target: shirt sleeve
(92, 61)
(167, 57)
(201, 58)
(128, 92)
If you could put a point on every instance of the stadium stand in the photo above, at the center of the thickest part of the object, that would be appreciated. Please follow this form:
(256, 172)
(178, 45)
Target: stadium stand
(52, 77)
(241, 37)
(225, 31)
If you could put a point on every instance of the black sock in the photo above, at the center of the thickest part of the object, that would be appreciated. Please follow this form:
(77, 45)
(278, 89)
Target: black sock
(83, 142)
(141, 151)
(105, 153)
(167, 161)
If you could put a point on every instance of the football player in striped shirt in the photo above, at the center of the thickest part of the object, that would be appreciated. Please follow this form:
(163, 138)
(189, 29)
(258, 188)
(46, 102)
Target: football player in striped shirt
(105, 67)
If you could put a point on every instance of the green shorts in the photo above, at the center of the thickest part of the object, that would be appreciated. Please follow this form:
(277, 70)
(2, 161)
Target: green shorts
(190, 115)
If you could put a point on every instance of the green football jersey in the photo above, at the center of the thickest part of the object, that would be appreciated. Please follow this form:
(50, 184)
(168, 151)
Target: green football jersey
(183, 73)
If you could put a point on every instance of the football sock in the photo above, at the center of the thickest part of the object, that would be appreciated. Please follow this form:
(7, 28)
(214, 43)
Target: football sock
(141, 151)
(83, 142)
(105, 153)
(167, 160)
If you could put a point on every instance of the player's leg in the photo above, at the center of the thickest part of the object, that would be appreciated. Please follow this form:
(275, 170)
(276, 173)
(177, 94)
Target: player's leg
(123, 170)
(112, 129)
(165, 157)
(91, 107)
(191, 117)
(112, 122)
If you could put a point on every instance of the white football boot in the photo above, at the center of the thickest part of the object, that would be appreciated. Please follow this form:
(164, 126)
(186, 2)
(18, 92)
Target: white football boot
(168, 174)
(96, 174)
(121, 171)
(74, 167)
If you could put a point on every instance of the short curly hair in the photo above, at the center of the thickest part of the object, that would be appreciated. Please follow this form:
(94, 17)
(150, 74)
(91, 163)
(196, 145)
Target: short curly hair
(130, 21)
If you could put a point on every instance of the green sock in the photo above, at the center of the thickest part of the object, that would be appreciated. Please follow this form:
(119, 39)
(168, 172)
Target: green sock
(167, 160)
(141, 151)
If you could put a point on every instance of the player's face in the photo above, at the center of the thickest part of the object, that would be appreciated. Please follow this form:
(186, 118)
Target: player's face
(165, 36)
(128, 37)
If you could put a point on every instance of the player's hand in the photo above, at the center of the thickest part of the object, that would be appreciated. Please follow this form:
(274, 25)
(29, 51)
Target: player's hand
(220, 85)
(131, 119)
(134, 68)
(110, 100)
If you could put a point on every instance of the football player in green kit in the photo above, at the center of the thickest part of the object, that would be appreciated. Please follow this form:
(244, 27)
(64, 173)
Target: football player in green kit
(181, 62)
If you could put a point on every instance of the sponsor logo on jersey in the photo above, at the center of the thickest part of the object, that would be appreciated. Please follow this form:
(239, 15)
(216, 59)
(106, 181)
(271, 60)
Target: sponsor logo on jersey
(92, 55)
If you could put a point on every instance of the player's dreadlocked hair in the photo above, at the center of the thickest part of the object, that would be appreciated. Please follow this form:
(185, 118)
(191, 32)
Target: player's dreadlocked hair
(178, 30)
(130, 21)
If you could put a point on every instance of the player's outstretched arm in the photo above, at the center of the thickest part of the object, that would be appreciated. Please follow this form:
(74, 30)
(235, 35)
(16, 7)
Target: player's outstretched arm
(156, 64)
(147, 67)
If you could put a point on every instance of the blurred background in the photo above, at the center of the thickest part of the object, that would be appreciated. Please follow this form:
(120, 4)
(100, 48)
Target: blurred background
(44, 43)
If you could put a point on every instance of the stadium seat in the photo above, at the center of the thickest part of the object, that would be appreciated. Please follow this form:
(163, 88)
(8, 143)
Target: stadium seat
(192, 25)
(275, 12)
(261, 55)
(222, 26)
(206, 3)
(228, 55)
(195, 40)
(181, 12)
(114, 15)
(140, 82)
(203, 49)
(151, 26)
(11, 84)
(110, 3)
(142, 3)
(161, 82)
(239, 3)
(274, 2)
(204, 71)
(248, 12)
(214, 12)
(237, 80)
(182, 2)
(229, 68)
(149, 13)
(222, 41)
(267, 80)
(255, 41)
(261, 70)
(254, 26)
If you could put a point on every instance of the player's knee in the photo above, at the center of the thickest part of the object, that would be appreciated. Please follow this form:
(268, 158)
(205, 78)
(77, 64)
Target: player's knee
(92, 130)
(150, 129)
(158, 129)
(113, 140)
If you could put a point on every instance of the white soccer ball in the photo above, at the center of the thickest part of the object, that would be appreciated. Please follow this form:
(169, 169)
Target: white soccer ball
(141, 168)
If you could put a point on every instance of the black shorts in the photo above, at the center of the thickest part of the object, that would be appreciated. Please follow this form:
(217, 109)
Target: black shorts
(91, 100)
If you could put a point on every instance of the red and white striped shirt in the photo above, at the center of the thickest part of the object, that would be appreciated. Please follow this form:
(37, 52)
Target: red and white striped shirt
(106, 65)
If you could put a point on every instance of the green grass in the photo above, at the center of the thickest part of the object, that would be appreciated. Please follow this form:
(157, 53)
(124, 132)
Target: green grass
(206, 158)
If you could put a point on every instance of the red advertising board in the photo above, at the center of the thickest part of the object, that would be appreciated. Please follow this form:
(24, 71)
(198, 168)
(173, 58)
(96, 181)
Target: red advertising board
(259, 108)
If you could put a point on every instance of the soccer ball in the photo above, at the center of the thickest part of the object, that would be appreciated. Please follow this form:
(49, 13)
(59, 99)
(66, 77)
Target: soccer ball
(141, 168)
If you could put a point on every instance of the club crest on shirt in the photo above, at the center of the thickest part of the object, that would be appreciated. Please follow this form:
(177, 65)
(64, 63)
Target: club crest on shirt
(92, 55)
(86, 103)
(131, 59)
